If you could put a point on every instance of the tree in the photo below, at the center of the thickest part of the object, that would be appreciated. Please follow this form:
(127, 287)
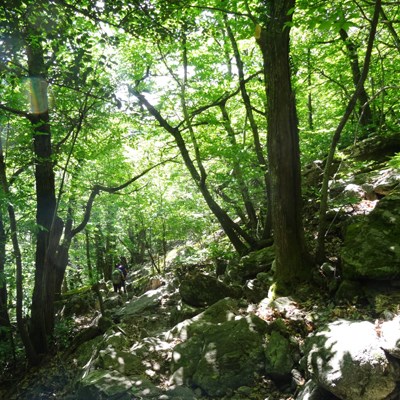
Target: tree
(292, 259)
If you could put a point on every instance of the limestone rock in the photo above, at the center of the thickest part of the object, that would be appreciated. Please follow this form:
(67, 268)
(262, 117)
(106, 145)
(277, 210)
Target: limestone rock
(371, 249)
(311, 391)
(149, 300)
(200, 290)
(101, 384)
(390, 336)
(252, 264)
(346, 359)
(278, 354)
(221, 357)
(121, 361)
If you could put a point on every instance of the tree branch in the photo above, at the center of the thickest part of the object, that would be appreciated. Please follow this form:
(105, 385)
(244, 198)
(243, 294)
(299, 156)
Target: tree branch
(100, 188)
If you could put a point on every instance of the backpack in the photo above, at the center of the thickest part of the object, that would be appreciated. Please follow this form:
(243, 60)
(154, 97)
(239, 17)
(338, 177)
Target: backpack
(123, 269)
(116, 276)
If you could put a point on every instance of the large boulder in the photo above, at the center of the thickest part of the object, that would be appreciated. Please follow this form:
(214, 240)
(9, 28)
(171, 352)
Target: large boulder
(252, 264)
(100, 384)
(147, 301)
(221, 357)
(371, 249)
(199, 290)
(390, 336)
(279, 359)
(346, 359)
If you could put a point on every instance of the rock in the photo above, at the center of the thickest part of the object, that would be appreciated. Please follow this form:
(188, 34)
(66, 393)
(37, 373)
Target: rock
(113, 301)
(376, 148)
(387, 180)
(121, 361)
(221, 357)
(346, 359)
(252, 264)
(311, 391)
(255, 290)
(366, 241)
(220, 312)
(278, 357)
(349, 291)
(77, 302)
(200, 290)
(390, 336)
(101, 384)
(149, 300)
(116, 340)
(351, 193)
(154, 353)
(144, 389)
(182, 312)
(181, 393)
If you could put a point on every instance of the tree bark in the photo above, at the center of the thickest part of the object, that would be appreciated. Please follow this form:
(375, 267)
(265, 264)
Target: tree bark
(292, 259)
(366, 117)
(42, 316)
(30, 351)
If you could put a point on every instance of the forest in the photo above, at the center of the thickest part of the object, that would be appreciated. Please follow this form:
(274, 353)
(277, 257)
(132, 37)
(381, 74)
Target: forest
(197, 131)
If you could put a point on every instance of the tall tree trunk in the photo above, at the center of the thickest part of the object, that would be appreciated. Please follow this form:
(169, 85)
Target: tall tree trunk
(292, 259)
(42, 317)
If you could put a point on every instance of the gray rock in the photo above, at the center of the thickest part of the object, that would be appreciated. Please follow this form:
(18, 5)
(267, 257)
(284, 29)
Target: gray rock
(101, 384)
(390, 336)
(121, 361)
(200, 290)
(221, 357)
(278, 357)
(311, 391)
(181, 393)
(371, 249)
(116, 340)
(147, 301)
(252, 264)
(346, 359)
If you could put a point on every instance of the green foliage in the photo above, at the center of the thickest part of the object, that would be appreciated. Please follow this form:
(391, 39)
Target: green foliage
(98, 54)
(63, 333)
(394, 162)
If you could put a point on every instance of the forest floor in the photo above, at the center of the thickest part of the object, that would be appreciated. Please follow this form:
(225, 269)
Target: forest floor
(56, 377)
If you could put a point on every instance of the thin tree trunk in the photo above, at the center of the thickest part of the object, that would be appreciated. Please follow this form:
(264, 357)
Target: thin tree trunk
(322, 228)
(366, 117)
(88, 259)
(30, 351)
(4, 316)
(238, 173)
(254, 129)
(309, 99)
(225, 221)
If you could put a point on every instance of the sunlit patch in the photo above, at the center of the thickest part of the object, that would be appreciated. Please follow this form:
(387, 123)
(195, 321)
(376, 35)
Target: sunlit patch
(38, 95)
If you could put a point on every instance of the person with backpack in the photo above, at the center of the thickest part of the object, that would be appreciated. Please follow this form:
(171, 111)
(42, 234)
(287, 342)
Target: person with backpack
(118, 280)
(123, 267)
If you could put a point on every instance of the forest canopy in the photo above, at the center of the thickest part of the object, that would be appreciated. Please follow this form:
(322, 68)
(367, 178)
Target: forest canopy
(134, 127)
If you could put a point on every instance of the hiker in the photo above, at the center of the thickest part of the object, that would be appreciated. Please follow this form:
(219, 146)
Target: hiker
(118, 280)
(123, 267)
